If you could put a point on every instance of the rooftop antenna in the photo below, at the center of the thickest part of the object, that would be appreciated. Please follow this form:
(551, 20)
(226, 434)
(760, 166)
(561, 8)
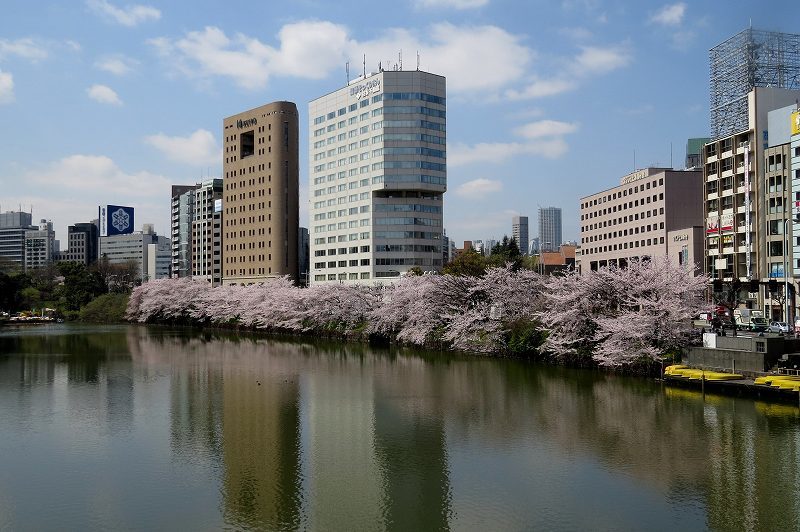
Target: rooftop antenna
(400, 56)
(365, 65)
(418, 60)
(347, 69)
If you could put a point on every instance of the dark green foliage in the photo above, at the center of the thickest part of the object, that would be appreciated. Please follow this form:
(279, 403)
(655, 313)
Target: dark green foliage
(108, 308)
(467, 263)
(524, 337)
(504, 252)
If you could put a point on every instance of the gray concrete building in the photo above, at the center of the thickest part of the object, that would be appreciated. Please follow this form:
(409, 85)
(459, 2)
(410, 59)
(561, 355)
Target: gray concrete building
(635, 219)
(150, 253)
(81, 243)
(378, 177)
(206, 250)
(181, 218)
(40, 246)
(13, 225)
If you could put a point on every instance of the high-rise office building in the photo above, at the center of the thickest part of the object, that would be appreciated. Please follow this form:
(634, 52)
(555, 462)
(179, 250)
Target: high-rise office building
(519, 231)
(206, 253)
(181, 218)
(13, 225)
(260, 199)
(303, 255)
(549, 228)
(378, 177)
(40, 246)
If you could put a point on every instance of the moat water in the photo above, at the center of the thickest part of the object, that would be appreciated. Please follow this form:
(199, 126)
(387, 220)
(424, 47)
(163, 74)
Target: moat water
(129, 427)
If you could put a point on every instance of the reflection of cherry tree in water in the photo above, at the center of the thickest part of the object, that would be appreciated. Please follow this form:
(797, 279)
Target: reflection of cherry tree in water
(613, 315)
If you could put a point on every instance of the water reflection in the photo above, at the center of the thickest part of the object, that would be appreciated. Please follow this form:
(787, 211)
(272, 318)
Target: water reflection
(293, 435)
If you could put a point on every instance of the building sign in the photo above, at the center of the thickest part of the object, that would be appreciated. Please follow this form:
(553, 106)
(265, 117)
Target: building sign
(217, 206)
(726, 222)
(115, 220)
(365, 89)
(680, 238)
(635, 176)
(712, 224)
(796, 123)
(250, 122)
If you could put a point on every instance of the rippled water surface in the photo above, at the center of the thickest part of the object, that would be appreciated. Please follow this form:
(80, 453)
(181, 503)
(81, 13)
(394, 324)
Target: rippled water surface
(149, 428)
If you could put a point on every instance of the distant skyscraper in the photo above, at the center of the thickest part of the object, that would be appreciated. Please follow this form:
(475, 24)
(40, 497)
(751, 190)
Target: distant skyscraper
(40, 246)
(519, 230)
(549, 228)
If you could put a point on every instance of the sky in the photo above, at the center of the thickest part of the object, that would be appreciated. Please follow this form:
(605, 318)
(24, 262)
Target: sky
(110, 102)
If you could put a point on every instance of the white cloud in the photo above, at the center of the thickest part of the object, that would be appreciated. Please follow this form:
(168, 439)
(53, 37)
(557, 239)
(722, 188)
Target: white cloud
(670, 14)
(118, 65)
(6, 87)
(601, 60)
(198, 149)
(103, 94)
(73, 45)
(128, 16)
(544, 138)
(455, 4)
(542, 88)
(546, 128)
(478, 188)
(25, 48)
(97, 173)
(79, 183)
(313, 49)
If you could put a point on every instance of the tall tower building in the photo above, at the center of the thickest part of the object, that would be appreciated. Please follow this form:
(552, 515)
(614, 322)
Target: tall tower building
(549, 228)
(378, 177)
(206, 252)
(260, 197)
(519, 230)
(181, 217)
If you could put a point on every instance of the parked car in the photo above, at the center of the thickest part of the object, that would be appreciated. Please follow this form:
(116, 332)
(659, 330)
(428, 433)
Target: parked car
(778, 327)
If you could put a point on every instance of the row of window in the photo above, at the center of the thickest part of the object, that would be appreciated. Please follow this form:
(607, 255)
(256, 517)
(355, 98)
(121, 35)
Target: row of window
(625, 245)
(379, 152)
(341, 264)
(625, 232)
(623, 206)
(625, 192)
(389, 96)
(342, 277)
(623, 219)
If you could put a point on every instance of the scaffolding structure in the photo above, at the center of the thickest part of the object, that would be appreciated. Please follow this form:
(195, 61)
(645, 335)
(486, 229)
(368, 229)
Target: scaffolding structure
(752, 58)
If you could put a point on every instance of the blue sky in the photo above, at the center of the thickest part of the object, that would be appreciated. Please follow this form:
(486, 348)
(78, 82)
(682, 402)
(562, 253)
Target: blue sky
(103, 101)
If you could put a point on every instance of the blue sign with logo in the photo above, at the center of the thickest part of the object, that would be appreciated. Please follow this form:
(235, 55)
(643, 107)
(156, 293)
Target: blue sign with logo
(116, 220)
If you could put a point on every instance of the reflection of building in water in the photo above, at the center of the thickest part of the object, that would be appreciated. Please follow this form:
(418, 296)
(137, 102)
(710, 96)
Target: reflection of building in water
(339, 447)
(196, 411)
(261, 443)
(410, 445)
(119, 396)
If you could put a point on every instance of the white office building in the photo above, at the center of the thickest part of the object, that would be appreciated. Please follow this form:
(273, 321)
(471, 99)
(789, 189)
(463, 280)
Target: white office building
(377, 178)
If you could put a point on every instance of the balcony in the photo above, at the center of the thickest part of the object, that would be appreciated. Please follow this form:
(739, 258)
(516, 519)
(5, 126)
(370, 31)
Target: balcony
(712, 196)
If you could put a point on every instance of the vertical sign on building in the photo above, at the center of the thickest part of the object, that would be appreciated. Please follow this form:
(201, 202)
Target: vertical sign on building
(115, 220)
(747, 208)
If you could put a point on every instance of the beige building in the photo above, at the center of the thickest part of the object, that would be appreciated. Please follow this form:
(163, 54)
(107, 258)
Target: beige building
(260, 196)
(634, 219)
(748, 198)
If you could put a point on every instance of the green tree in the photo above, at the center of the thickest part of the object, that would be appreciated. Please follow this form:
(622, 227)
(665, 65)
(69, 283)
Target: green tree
(415, 270)
(468, 262)
(504, 252)
(80, 285)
